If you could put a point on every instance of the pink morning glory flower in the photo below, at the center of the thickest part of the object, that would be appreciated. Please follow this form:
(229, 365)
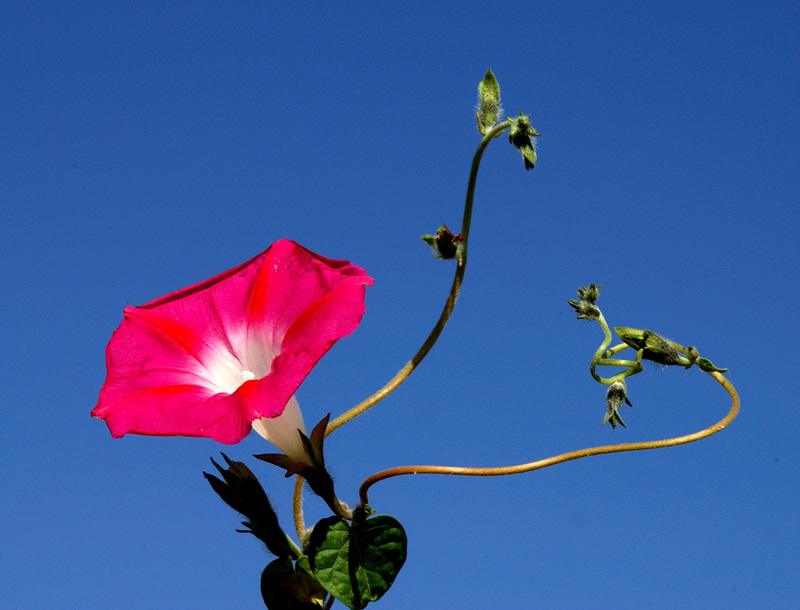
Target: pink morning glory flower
(227, 355)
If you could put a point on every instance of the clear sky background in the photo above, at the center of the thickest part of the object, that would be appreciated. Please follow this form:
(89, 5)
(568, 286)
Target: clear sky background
(147, 146)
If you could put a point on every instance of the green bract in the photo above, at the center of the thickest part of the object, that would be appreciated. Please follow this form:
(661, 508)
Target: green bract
(705, 365)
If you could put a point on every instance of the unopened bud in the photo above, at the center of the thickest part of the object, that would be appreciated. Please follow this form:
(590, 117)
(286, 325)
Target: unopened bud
(488, 102)
(616, 395)
(444, 244)
(520, 134)
(660, 350)
(585, 310)
(240, 490)
(589, 294)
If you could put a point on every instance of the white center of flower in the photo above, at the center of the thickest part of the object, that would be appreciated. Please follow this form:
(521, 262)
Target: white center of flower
(248, 376)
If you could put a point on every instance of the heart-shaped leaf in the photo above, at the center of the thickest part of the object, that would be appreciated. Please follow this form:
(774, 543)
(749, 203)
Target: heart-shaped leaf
(288, 587)
(357, 564)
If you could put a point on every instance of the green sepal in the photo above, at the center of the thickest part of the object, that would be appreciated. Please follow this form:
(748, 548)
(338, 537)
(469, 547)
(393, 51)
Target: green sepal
(613, 416)
(291, 587)
(704, 364)
(589, 293)
(281, 460)
(528, 156)
(429, 239)
(315, 474)
(357, 563)
(633, 337)
(303, 562)
(316, 441)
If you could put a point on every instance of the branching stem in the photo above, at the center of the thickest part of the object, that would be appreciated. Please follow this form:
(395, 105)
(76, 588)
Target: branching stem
(601, 357)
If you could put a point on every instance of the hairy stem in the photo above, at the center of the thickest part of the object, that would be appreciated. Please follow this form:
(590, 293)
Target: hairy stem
(297, 508)
(564, 457)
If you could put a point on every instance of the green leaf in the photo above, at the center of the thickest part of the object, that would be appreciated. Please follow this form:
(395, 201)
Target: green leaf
(287, 587)
(357, 564)
(704, 364)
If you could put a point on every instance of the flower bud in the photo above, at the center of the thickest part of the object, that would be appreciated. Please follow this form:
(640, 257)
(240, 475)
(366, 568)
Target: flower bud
(615, 397)
(589, 294)
(586, 310)
(519, 134)
(661, 350)
(488, 102)
(444, 244)
(240, 490)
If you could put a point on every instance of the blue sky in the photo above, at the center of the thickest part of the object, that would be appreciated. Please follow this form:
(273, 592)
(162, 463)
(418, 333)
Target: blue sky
(145, 147)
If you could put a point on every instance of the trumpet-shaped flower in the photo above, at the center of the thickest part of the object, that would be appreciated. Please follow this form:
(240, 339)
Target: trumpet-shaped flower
(227, 355)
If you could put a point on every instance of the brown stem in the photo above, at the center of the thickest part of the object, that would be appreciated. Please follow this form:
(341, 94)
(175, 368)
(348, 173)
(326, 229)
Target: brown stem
(297, 508)
(564, 457)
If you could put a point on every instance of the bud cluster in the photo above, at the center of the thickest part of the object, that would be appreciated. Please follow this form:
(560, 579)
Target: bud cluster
(585, 307)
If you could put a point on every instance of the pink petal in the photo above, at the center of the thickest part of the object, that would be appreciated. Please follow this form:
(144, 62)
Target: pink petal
(176, 366)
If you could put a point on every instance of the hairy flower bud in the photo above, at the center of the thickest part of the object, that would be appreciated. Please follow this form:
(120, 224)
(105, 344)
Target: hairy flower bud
(240, 489)
(444, 244)
(589, 294)
(586, 310)
(660, 350)
(519, 134)
(615, 397)
(488, 102)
